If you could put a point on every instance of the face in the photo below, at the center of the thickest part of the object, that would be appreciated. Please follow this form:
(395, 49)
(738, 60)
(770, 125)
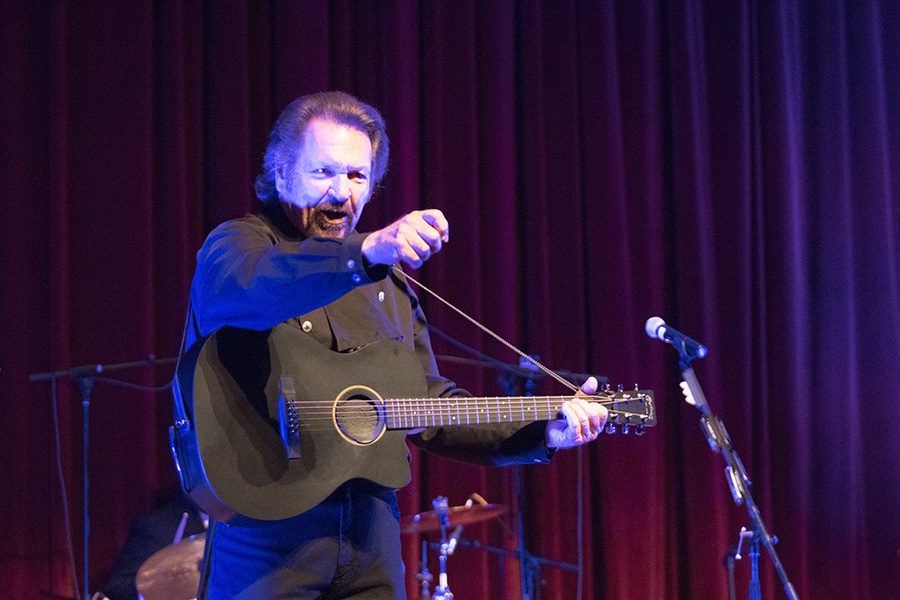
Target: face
(325, 190)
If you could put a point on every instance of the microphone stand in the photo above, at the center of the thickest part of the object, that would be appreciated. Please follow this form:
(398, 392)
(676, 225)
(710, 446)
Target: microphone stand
(85, 377)
(529, 564)
(735, 474)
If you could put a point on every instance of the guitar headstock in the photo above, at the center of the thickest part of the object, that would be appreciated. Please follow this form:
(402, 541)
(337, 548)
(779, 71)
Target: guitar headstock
(628, 409)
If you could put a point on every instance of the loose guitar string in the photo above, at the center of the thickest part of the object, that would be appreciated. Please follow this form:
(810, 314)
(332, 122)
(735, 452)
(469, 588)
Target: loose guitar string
(550, 372)
(399, 414)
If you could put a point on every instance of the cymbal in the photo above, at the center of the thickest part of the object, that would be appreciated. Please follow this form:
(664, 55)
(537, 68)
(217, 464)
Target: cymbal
(458, 515)
(172, 573)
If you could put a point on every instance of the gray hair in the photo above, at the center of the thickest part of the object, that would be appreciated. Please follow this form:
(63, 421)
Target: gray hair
(286, 138)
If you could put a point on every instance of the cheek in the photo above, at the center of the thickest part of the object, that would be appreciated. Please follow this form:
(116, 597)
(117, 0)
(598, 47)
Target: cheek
(361, 204)
(306, 188)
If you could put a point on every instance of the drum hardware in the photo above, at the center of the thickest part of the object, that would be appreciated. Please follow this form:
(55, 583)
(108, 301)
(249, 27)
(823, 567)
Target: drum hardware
(424, 575)
(475, 510)
(172, 573)
(442, 591)
(442, 518)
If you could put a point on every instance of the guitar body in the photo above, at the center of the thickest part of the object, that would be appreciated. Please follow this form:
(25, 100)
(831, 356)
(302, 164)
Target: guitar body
(233, 458)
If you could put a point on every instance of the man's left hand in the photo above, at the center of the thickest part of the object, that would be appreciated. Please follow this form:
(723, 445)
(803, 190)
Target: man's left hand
(583, 420)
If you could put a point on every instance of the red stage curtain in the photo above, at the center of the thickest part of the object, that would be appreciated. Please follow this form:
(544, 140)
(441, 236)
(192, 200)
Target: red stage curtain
(729, 166)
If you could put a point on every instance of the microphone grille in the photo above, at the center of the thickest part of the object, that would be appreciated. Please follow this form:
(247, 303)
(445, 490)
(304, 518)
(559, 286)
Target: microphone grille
(652, 327)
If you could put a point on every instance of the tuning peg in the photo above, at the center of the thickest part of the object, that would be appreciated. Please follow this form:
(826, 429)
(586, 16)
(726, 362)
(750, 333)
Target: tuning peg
(625, 429)
(637, 388)
(610, 427)
(606, 387)
(639, 430)
(620, 388)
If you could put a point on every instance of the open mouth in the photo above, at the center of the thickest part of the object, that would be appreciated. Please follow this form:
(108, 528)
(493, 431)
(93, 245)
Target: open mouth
(334, 216)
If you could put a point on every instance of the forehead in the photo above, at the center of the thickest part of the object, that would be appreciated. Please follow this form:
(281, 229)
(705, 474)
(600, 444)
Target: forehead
(335, 143)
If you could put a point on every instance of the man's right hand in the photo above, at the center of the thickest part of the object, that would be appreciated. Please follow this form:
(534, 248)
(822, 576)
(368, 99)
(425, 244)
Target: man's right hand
(412, 239)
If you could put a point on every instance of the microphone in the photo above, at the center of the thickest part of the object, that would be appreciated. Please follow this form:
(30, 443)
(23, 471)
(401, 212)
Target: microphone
(687, 347)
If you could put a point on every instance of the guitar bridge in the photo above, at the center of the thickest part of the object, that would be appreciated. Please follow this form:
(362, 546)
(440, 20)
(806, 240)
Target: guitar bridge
(289, 417)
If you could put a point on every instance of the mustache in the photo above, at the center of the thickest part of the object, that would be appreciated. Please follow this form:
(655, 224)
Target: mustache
(336, 206)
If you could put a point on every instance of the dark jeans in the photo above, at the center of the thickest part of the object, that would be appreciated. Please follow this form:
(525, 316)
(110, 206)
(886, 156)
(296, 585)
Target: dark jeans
(346, 547)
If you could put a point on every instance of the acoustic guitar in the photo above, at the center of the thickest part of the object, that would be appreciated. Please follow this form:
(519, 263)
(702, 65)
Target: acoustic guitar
(270, 423)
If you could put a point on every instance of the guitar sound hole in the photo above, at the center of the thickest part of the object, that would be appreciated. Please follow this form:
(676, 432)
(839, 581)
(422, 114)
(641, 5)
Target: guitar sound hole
(358, 418)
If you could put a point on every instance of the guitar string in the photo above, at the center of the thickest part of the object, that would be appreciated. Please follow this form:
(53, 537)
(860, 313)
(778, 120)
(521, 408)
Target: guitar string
(490, 403)
(430, 421)
(550, 372)
(521, 406)
(596, 399)
(503, 405)
(399, 422)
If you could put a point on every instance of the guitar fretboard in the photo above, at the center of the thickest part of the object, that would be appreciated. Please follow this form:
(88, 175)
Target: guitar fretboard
(412, 413)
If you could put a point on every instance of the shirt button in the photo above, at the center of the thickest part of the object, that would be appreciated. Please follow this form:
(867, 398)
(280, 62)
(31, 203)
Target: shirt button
(306, 326)
(381, 296)
(356, 278)
(351, 264)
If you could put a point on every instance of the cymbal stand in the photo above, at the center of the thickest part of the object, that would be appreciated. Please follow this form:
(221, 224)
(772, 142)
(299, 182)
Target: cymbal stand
(442, 591)
(424, 575)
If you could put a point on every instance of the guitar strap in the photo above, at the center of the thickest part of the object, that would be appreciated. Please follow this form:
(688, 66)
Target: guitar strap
(179, 432)
(190, 321)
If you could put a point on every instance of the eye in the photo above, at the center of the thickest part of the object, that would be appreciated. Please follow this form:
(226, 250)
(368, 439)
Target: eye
(323, 171)
(357, 176)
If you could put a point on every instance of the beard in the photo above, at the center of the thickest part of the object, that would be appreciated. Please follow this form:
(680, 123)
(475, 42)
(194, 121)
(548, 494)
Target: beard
(328, 220)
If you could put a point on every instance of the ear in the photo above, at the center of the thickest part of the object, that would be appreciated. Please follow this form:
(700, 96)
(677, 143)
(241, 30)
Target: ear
(280, 179)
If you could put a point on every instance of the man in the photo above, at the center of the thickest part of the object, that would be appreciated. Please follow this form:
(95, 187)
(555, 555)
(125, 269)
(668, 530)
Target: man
(300, 263)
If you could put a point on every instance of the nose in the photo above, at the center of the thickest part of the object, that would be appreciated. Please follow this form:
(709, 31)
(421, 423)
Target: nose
(340, 187)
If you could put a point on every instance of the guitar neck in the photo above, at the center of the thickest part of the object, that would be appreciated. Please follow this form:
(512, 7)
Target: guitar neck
(415, 413)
